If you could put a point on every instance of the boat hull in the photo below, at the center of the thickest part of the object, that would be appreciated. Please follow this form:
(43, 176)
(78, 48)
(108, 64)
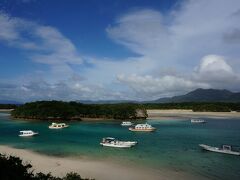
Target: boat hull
(27, 135)
(50, 127)
(198, 121)
(142, 130)
(126, 124)
(132, 143)
(218, 150)
(116, 145)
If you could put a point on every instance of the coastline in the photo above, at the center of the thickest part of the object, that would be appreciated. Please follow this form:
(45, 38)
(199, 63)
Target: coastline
(6, 110)
(100, 170)
(182, 113)
(160, 114)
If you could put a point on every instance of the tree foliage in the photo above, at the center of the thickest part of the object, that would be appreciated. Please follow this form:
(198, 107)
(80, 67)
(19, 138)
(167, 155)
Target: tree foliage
(48, 110)
(8, 106)
(73, 110)
(13, 168)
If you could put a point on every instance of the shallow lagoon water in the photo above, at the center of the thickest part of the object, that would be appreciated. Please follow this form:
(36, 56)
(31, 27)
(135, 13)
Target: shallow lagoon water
(173, 146)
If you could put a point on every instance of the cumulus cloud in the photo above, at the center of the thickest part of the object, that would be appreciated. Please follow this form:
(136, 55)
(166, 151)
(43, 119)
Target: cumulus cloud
(215, 70)
(214, 66)
(159, 86)
(212, 72)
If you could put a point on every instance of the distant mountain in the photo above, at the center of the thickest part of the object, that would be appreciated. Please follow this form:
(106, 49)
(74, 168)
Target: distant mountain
(198, 95)
(203, 95)
(9, 102)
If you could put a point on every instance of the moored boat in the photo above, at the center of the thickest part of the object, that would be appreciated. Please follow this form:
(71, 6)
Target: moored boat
(126, 123)
(143, 128)
(58, 126)
(198, 121)
(27, 133)
(226, 149)
(112, 142)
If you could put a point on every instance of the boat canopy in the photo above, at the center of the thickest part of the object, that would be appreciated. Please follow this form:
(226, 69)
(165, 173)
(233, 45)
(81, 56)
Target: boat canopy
(58, 124)
(26, 131)
(143, 125)
(109, 138)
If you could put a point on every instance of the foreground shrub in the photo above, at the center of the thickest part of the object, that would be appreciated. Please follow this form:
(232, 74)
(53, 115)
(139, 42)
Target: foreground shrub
(13, 168)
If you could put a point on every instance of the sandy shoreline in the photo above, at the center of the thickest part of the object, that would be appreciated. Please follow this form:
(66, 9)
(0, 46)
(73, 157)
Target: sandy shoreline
(100, 170)
(6, 110)
(178, 113)
(168, 114)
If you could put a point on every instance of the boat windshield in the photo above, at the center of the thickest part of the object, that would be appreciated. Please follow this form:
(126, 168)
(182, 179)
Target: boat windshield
(227, 147)
(26, 132)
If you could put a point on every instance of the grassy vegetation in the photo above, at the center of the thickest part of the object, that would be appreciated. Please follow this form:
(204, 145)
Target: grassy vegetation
(13, 168)
(73, 110)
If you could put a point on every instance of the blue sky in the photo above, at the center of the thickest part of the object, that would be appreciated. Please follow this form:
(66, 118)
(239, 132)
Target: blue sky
(117, 49)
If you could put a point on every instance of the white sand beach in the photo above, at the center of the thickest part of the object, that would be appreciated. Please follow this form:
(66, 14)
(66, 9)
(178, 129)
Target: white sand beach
(100, 170)
(174, 113)
(6, 110)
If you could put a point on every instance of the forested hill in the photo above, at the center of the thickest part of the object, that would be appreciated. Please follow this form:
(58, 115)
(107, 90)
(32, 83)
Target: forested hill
(203, 95)
(47, 110)
(8, 106)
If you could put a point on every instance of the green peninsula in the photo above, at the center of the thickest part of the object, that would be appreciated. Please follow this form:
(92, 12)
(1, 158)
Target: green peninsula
(59, 110)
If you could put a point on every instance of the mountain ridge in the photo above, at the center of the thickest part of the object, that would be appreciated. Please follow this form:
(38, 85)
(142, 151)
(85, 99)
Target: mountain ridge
(197, 95)
(203, 95)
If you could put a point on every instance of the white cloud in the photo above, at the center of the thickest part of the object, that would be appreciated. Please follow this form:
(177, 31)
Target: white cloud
(155, 87)
(215, 71)
(39, 89)
(62, 49)
(212, 72)
(45, 44)
(214, 64)
(181, 37)
(178, 40)
(141, 31)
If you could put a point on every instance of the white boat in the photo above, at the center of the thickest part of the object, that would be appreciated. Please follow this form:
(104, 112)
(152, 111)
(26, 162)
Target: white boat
(112, 142)
(226, 149)
(198, 121)
(126, 123)
(109, 139)
(58, 126)
(27, 133)
(143, 127)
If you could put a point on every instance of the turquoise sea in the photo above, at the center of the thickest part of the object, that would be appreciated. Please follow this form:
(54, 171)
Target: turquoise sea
(174, 145)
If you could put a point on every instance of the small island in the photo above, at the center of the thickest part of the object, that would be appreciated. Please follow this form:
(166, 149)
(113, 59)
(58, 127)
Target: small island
(59, 110)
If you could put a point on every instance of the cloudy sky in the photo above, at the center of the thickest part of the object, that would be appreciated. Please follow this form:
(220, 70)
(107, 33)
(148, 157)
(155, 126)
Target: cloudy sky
(117, 49)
